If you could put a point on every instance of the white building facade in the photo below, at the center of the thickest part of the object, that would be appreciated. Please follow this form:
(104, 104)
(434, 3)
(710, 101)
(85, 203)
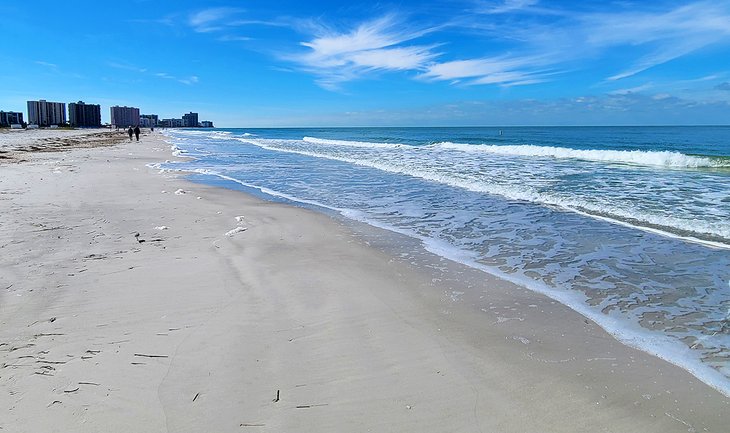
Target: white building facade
(44, 113)
(124, 117)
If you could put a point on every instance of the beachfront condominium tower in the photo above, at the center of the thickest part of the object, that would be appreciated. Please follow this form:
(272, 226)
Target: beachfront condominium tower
(190, 120)
(149, 120)
(43, 113)
(8, 118)
(84, 115)
(124, 116)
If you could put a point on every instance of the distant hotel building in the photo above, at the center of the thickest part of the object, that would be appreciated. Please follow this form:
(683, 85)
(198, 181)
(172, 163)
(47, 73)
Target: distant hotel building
(43, 113)
(8, 118)
(172, 123)
(124, 116)
(190, 120)
(148, 120)
(84, 115)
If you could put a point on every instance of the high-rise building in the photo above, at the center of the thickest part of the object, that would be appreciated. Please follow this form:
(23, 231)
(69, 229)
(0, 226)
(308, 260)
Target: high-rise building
(43, 113)
(8, 118)
(149, 120)
(190, 120)
(124, 116)
(206, 124)
(84, 115)
(172, 123)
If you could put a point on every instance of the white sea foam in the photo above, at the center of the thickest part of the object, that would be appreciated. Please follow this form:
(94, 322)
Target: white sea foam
(625, 215)
(349, 143)
(637, 157)
(629, 333)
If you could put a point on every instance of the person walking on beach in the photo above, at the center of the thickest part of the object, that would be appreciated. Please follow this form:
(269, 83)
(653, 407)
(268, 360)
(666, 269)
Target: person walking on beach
(130, 132)
(136, 132)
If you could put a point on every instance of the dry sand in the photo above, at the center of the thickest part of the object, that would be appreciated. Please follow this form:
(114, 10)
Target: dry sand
(16, 144)
(133, 300)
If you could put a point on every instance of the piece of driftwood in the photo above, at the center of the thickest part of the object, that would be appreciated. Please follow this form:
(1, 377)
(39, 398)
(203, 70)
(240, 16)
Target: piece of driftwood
(89, 383)
(150, 356)
(71, 390)
(244, 424)
(307, 406)
(277, 396)
(196, 396)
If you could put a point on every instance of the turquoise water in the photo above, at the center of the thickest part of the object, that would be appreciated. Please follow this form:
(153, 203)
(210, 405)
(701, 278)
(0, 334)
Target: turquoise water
(630, 226)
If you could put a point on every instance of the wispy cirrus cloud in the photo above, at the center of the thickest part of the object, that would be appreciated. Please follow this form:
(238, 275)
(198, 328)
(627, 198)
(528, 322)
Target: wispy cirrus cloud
(505, 6)
(523, 42)
(46, 64)
(653, 37)
(503, 70)
(377, 45)
(144, 71)
(186, 80)
(212, 19)
(127, 67)
(665, 35)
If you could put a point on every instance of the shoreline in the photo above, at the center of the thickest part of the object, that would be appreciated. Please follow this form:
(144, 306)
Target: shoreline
(291, 301)
(642, 339)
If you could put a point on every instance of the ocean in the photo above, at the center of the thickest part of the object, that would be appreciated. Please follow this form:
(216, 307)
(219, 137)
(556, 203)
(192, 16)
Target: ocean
(629, 226)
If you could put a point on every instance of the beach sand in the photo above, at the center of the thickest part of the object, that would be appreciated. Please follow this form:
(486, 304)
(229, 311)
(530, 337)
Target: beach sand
(135, 300)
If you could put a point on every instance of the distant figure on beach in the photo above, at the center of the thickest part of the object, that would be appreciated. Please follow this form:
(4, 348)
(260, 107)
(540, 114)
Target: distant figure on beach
(130, 131)
(136, 132)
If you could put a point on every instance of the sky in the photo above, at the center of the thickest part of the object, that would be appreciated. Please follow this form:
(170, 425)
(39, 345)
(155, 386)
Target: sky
(407, 63)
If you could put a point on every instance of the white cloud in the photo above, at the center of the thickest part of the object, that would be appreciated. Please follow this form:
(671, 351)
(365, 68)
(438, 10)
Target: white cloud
(506, 71)
(506, 6)
(371, 46)
(210, 20)
(666, 36)
(46, 64)
(127, 67)
(393, 58)
(648, 37)
(524, 42)
(233, 38)
(190, 80)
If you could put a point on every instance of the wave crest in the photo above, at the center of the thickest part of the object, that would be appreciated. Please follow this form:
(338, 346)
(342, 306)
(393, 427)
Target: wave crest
(366, 144)
(637, 157)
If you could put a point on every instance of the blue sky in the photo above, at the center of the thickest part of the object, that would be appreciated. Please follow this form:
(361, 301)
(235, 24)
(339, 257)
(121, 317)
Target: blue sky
(333, 63)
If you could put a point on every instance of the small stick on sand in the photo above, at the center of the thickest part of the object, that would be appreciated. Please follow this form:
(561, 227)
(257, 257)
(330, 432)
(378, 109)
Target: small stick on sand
(277, 396)
(150, 356)
(196, 396)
